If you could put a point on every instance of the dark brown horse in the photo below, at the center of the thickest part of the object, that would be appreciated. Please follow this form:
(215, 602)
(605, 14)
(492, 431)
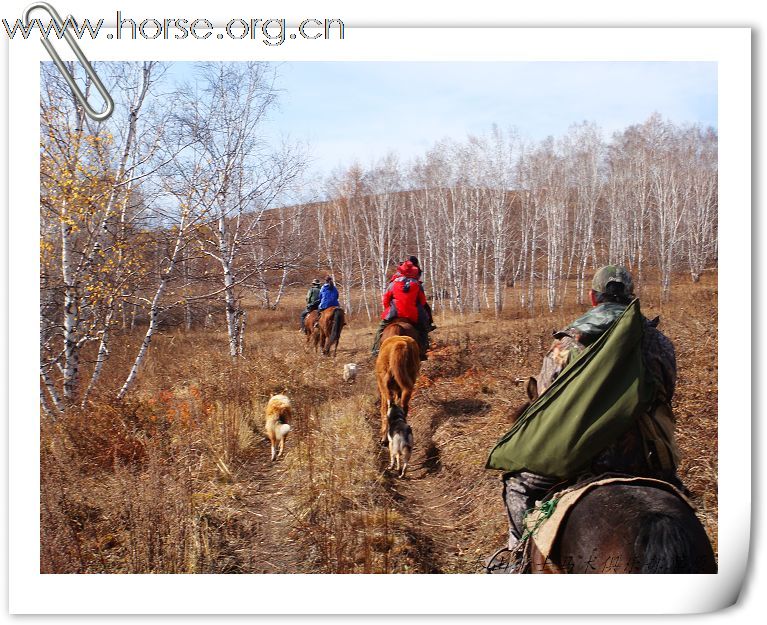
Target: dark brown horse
(626, 528)
(312, 332)
(400, 327)
(332, 321)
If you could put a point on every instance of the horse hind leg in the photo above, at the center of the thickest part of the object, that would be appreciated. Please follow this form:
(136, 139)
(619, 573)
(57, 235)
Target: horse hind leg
(405, 395)
(323, 339)
(383, 391)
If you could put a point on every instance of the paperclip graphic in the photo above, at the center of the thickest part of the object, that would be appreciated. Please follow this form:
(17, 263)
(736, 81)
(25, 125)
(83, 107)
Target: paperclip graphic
(110, 105)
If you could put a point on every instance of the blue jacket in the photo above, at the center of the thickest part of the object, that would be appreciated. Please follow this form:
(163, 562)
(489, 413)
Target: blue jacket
(328, 296)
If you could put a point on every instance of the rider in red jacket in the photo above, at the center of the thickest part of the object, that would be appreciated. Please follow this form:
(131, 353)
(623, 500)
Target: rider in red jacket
(404, 298)
(404, 295)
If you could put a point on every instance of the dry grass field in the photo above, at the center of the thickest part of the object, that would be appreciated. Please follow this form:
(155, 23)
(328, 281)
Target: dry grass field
(177, 478)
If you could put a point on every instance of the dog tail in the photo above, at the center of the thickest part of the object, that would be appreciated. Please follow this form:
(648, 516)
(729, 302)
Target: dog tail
(281, 431)
(406, 451)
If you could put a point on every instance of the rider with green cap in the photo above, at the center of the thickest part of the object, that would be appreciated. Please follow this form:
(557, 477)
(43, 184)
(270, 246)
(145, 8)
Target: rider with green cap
(611, 293)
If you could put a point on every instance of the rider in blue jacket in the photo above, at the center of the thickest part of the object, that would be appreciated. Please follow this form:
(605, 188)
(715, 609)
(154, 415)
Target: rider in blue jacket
(328, 294)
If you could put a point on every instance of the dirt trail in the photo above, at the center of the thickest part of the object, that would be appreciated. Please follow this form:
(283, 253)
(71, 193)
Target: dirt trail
(425, 499)
(263, 523)
(440, 510)
(272, 550)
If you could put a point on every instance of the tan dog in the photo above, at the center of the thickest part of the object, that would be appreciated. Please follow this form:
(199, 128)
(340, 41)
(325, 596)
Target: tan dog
(397, 367)
(278, 412)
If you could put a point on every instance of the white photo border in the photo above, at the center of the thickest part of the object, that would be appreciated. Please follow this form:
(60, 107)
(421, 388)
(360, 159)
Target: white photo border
(31, 592)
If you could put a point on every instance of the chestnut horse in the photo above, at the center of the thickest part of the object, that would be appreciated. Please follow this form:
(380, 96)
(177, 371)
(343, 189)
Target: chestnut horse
(397, 368)
(626, 528)
(312, 333)
(332, 321)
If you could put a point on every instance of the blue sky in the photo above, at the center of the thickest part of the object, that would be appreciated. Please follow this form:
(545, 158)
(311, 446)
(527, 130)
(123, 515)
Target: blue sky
(362, 110)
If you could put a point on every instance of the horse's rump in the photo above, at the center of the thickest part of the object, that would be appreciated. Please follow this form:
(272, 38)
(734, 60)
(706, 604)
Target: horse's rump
(397, 368)
(310, 320)
(619, 525)
(312, 333)
(398, 362)
(400, 327)
(336, 323)
(332, 321)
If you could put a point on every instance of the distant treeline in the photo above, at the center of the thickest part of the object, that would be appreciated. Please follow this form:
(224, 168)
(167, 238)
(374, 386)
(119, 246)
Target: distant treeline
(497, 210)
(175, 211)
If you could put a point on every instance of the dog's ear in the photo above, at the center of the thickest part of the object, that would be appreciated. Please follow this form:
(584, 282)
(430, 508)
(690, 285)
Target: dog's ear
(532, 388)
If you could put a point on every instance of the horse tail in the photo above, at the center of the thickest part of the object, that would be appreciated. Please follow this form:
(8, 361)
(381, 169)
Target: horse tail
(337, 324)
(666, 544)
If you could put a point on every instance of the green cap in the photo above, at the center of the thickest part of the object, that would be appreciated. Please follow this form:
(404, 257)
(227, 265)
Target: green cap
(613, 273)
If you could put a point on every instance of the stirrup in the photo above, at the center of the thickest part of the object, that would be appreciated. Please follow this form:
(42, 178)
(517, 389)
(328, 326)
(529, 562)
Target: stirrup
(502, 561)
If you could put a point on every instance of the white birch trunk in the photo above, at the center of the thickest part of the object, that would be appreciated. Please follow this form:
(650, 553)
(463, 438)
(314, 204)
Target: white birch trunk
(154, 311)
(71, 346)
(52, 392)
(101, 356)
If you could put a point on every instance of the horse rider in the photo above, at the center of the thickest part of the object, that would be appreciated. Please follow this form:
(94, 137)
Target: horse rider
(328, 295)
(404, 298)
(611, 293)
(430, 318)
(312, 301)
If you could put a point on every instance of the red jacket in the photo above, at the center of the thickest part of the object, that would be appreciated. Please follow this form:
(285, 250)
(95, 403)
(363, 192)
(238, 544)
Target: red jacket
(404, 296)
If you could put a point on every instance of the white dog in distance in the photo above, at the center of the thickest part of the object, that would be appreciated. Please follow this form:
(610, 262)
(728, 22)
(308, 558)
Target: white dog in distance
(350, 372)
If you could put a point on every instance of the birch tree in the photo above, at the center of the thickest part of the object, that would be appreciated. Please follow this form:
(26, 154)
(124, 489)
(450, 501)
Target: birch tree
(382, 218)
(244, 175)
(700, 162)
(89, 173)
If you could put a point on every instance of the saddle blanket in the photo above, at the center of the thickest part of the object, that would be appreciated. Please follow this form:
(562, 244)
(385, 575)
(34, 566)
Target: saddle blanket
(543, 522)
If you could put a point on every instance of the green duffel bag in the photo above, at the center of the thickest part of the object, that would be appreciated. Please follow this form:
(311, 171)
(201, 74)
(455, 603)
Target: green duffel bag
(594, 401)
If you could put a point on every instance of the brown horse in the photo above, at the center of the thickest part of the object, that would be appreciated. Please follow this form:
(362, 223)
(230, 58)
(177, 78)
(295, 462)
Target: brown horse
(400, 327)
(397, 368)
(332, 321)
(626, 528)
(312, 332)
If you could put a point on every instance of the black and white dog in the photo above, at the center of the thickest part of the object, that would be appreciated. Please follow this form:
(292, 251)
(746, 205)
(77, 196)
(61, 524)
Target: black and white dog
(400, 437)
